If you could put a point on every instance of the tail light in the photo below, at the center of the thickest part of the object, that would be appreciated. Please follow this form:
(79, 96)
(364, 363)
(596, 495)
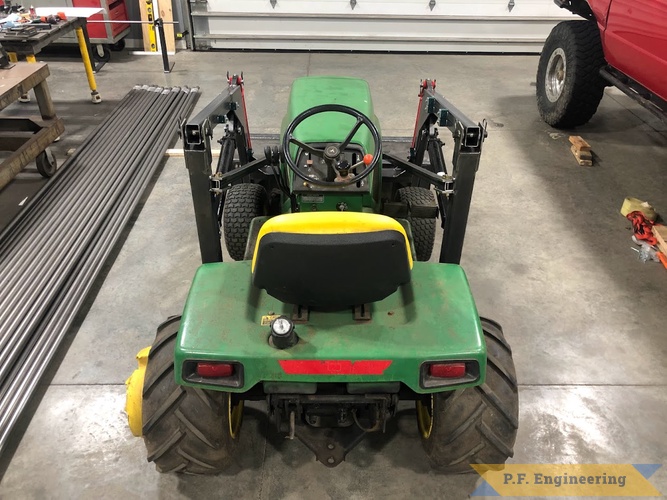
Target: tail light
(447, 370)
(443, 373)
(222, 373)
(214, 370)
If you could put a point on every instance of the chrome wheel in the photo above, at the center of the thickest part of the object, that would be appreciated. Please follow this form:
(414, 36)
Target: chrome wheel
(555, 77)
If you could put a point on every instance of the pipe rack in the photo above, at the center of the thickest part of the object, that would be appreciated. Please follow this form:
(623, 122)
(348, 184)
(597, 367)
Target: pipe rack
(52, 252)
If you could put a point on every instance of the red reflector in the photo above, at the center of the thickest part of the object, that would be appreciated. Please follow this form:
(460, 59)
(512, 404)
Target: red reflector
(333, 367)
(447, 370)
(211, 370)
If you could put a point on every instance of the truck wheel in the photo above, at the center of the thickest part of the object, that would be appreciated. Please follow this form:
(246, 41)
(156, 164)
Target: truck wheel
(243, 203)
(477, 424)
(423, 230)
(185, 429)
(569, 85)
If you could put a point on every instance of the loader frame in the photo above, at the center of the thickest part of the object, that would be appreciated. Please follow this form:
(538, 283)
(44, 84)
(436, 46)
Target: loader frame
(237, 163)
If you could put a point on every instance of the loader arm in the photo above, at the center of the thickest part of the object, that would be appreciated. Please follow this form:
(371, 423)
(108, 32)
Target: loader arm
(454, 190)
(226, 109)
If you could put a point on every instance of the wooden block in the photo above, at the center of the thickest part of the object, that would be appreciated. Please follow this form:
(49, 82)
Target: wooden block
(579, 143)
(660, 233)
(584, 155)
(584, 158)
(161, 9)
(164, 8)
(179, 153)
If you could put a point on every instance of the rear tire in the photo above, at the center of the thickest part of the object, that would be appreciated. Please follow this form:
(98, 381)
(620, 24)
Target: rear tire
(476, 425)
(243, 202)
(423, 230)
(185, 429)
(569, 85)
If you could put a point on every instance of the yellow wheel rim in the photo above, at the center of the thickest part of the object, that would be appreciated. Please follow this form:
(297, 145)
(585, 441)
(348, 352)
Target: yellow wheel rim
(134, 393)
(235, 416)
(425, 418)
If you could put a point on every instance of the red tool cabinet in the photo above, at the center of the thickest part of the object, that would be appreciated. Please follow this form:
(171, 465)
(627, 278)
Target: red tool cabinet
(108, 32)
(102, 34)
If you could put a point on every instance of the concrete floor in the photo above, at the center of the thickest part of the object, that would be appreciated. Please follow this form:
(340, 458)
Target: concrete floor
(547, 253)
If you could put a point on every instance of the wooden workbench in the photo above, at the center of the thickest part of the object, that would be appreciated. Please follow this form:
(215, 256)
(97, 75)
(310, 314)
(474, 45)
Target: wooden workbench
(29, 46)
(26, 138)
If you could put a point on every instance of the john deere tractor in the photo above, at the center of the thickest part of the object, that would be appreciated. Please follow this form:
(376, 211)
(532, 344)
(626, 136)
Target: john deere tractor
(330, 313)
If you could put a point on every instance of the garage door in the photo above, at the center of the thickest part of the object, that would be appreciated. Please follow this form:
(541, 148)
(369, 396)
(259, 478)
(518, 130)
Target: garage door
(375, 25)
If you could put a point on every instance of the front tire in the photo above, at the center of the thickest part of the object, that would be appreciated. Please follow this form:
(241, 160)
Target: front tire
(243, 203)
(569, 85)
(423, 230)
(185, 429)
(476, 425)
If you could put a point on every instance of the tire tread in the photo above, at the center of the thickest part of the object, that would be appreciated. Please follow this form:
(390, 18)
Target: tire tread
(477, 424)
(243, 202)
(583, 87)
(423, 230)
(185, 429)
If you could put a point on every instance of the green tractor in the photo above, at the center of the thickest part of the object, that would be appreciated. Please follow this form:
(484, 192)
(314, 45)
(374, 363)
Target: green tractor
(330, 312)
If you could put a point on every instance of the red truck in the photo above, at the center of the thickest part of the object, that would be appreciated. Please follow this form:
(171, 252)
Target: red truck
(619, 42)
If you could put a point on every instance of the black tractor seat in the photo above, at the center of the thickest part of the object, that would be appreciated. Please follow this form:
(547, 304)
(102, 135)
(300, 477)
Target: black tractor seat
(331, 259)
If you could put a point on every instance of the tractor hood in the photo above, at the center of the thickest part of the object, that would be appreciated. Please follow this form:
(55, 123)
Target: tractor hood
(311, 91)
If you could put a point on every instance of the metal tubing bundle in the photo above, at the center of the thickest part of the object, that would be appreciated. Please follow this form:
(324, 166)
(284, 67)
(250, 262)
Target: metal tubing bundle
(52, 252)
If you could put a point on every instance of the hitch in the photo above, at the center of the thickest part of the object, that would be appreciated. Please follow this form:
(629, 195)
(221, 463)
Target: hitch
(331, 425)
(330, 446)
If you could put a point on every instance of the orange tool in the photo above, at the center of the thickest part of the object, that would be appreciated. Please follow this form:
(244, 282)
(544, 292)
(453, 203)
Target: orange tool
(663, 259)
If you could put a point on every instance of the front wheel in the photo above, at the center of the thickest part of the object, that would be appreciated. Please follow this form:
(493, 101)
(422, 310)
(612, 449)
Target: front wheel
(423, 230)
(476, 425)
(243, 203)
(185, 429)
(569, 85)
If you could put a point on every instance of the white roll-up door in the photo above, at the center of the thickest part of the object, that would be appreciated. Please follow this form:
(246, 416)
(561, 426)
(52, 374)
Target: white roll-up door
(375, 25)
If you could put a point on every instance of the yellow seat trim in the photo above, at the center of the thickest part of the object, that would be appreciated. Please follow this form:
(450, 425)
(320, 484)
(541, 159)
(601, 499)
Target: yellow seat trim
(330, 223)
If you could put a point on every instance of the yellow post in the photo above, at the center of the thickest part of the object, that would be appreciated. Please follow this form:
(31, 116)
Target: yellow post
(86, 63)
(13, 58)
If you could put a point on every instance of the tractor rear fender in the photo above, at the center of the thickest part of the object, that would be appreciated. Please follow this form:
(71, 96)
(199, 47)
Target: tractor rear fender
(433, 319)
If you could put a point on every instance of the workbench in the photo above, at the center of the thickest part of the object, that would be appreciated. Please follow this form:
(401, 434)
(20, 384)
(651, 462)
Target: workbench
(27, 138)
(101, 33)
(29, 46)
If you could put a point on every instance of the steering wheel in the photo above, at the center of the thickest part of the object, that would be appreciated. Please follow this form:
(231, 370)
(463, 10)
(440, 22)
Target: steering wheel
(332, 154)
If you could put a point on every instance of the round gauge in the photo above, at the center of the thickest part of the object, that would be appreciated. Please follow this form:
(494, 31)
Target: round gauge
(281, 326)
